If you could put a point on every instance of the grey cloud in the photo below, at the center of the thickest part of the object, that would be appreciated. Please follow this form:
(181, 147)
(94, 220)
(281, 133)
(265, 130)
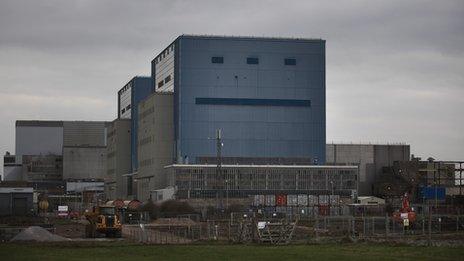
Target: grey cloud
(394, 68)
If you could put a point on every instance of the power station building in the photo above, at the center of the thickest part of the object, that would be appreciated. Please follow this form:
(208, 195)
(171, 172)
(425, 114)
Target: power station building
(266, 95)
(50, 152)
(137, 89)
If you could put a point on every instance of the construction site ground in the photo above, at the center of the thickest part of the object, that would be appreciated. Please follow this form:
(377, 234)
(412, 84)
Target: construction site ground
(130, 251)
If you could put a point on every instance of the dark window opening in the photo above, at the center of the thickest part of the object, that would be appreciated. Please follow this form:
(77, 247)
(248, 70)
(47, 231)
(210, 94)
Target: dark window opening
(128, 107)
(217, 59)
(167, 79)
(160, 84)
(252, 60)
(290, 61)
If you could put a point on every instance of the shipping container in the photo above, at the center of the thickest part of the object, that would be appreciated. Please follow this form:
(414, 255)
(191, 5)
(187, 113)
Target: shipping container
(258, 200)
(269, 210)
(292, 200)
(334, 210)
(302, 200)
(334, 200)
(324, 210)
(345, 210)
(438, 193)
(313, 200)
(270, 200)
(281, 200)
(323, 200)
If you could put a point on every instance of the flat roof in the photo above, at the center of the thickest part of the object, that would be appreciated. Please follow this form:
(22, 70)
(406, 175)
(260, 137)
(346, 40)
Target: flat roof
(241, 37)
(262, 166)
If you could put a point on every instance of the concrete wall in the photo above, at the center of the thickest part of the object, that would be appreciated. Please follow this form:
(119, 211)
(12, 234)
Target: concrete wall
(84, 151)
(370, 158)
(257, 130)
(39, 137)
(142, 87)
(155, 142)
(84, 163)
(84, 133)
(118, 156)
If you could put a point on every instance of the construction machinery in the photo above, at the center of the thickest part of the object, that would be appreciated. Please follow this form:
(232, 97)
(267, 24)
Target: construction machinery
(103, 220)
(406, 214)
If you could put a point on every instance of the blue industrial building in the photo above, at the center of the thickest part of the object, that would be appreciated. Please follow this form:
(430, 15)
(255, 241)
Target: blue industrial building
(137, 89)
(267, 95)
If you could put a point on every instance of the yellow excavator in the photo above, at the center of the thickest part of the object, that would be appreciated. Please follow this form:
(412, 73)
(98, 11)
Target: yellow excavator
(103, 220)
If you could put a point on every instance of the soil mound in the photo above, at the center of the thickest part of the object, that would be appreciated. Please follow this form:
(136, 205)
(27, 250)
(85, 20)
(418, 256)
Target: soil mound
(37, 234)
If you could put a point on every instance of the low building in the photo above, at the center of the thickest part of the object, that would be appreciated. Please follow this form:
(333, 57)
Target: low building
(242, 181)
(118, 158)
(370, 200)
(371, 159)
(16, 201)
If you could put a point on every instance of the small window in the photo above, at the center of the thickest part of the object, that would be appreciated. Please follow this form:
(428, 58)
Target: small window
(290, 61)
(128, 107)
(123, 110)
(160, 84)
(252, 60)
(217, 59)
(167, 79)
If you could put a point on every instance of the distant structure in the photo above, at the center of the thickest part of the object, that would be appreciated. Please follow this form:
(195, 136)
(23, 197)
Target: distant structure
(49, 153)
(371, 159)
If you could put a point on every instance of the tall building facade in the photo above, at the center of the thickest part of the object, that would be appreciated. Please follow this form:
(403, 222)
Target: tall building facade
(118, 159)
(137, 89)
(267, 95)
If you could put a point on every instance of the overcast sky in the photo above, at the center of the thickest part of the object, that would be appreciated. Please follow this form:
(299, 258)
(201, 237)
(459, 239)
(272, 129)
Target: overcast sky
(395, 69)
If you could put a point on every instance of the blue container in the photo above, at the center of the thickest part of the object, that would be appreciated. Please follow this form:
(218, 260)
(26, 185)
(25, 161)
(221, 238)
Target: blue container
(438, 193)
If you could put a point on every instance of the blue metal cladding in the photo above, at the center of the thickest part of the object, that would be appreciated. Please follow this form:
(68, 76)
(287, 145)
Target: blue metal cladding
(253, 102)
(266, 110)
(142, 87)
(438, 193)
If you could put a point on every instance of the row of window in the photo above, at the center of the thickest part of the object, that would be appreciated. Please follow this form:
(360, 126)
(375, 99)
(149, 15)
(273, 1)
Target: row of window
(162, 82)
(252, 60)
(126, 109)
(164, 53)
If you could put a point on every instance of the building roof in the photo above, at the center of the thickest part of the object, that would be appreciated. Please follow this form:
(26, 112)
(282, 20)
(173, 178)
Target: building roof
(36, 123)
(239, 37)
(262, 166)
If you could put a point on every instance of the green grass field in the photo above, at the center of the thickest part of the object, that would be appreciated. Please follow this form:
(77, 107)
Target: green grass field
(117, 251)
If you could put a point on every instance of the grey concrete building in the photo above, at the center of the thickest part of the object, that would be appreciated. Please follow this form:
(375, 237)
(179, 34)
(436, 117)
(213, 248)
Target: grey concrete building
(39, 138)
(118, 158)
(84, 149)
(370, 158)
(49, 151)
(155, 142)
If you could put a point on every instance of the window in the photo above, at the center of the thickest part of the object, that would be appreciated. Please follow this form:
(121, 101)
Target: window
(160, 84)
(167, 79)
(128, 107)
(217, 59)
(252, 60)
(290, 61)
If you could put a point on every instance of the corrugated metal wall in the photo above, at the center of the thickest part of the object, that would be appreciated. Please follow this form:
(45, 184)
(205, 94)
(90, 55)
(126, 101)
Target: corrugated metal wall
(251, 131)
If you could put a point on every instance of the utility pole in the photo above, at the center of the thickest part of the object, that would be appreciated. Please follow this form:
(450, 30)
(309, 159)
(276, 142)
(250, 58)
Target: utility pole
(219, 178)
